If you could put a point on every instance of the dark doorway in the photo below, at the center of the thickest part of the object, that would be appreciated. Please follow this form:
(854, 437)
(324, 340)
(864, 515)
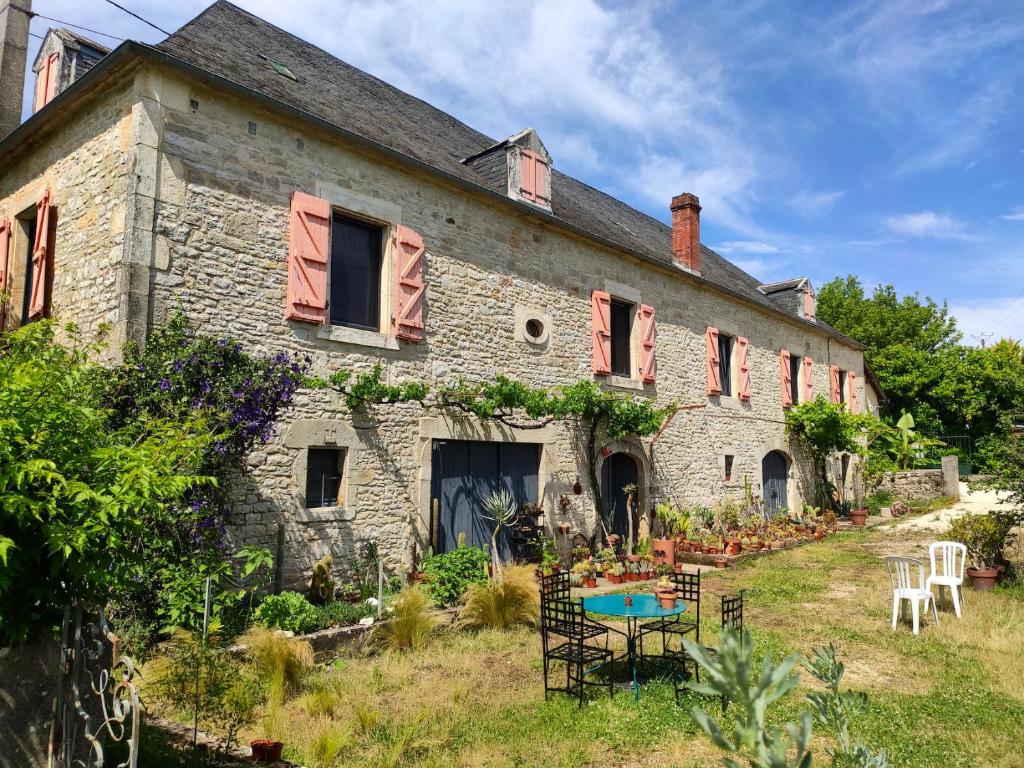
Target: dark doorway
(464, 473)
(618, 471)
(773, 480)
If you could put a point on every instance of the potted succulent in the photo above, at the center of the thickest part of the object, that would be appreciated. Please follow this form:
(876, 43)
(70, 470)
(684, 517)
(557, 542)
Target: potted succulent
(646, 566)
(615, 573)
(733, 546)
(587, 572)
(664, 549)
(830, 520)
(985, 538)
(666, 592)
(266, 750)
(633, 569)
(712, 545)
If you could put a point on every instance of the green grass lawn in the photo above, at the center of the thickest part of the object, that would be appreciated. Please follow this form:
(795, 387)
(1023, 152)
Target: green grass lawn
(952, 696)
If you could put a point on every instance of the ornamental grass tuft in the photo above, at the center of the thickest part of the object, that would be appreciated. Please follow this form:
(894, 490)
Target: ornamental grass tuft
(411, 624)
(512, 600)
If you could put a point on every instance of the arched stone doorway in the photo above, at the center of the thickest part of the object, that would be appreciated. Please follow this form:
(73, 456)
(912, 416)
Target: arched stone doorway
(618, 471)
(775, 480)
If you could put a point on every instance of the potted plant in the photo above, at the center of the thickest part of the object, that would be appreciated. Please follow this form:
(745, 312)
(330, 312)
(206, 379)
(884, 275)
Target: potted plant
(646, 566)
(721, 561)
(615, 573)
(587, 573)
(830, 520)
(712, 545)
(858, 516)
(664, 549)
(666, 592)
(733, 546)
(985, 537)
(266, 750)
(633, 570)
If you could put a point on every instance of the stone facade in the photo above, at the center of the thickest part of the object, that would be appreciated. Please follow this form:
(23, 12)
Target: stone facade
(207, 206)
(921, 484)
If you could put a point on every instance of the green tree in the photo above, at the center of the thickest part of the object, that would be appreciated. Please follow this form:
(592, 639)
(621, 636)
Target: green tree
(79, 502)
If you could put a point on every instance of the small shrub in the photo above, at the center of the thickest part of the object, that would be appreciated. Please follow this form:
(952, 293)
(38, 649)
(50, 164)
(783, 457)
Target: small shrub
(984, 536)
(339, 614)
(449, 575)
(288, 610)
(280, 662)
(411, 624)
(877, 500)
(512, 600)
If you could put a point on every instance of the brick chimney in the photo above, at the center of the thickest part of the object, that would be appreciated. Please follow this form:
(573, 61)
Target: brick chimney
(686, 231)
(14, 18)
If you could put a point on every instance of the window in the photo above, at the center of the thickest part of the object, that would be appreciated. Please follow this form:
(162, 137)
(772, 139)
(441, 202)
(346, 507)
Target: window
(29, 228)
(622, 328)
(324, 469)
(357, 250)
(842, 386)
(795, 364)
(725, 345)
(729, 460)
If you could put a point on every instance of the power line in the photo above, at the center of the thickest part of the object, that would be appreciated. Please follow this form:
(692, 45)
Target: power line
(77, 26)
(140, 18)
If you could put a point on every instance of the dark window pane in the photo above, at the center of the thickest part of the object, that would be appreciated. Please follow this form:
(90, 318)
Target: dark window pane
(794, 377)
(26, 301)
(323, 477)
(728, 467)
(842, 386)
(622, 318)
(725, 363)
(356, 253)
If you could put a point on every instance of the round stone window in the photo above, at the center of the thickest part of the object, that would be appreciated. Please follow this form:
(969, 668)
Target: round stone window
(535, 330)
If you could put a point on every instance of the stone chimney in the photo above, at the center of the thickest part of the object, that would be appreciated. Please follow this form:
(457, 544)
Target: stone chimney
(14, 18)
(686, 231)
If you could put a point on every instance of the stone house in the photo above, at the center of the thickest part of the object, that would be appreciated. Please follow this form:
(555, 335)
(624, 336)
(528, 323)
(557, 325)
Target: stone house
(282, 197)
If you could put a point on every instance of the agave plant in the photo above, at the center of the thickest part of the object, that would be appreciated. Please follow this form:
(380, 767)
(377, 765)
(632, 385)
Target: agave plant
(501, 508)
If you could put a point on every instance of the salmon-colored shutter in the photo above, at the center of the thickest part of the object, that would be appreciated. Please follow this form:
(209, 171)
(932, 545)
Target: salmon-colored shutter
(541, 180)
(42, 258)
(308, 246)
(601, 328)
(5, 246)
(786, 378)
(742, 349)
(808, 379)
(833, 381)
(808, 303)
(408, 318)
(46, 81)
(852, 378)
(648, 363)
(528, 174)
(712, 359)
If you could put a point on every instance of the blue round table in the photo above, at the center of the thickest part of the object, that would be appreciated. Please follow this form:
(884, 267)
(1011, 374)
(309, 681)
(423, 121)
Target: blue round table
(645, 606)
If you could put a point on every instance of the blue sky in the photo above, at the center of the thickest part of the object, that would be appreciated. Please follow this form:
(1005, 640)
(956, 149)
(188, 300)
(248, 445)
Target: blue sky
(883, 139)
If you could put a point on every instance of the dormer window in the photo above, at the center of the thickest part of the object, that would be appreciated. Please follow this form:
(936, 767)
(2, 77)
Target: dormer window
(46, 81)
(534, 178)
(809, 306)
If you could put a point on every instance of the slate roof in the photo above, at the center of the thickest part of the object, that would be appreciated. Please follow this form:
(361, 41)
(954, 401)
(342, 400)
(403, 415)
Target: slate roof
(229, 43)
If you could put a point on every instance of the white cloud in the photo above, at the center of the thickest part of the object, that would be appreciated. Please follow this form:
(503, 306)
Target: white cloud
(927, 224)
(1017, 214)
(746, 246)
(992, 319)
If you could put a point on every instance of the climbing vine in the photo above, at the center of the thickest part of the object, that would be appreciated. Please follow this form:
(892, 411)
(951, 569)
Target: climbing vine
(514, 404)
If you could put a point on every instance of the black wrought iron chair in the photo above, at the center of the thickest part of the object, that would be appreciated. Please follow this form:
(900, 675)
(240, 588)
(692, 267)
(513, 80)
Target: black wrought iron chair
(732, 617)
(568, 638)
(677, 627)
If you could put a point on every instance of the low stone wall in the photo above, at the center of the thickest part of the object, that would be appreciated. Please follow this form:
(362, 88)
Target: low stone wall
(914, 484)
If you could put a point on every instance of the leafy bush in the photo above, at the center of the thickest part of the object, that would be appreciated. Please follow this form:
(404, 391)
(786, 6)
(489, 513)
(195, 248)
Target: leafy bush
(411, 623)
(875, 501)
(339, 614)
(512, 600)
(984, 536)
(288, 610)
(449, 575)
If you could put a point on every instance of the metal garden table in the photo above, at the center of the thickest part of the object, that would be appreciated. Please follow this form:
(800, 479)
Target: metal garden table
(645, 606)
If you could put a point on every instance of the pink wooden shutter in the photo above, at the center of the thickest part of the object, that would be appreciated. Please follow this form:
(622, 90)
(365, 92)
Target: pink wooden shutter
(742, 348)
(408, 318)
(601, 328)
(808, 379)
(833, 380)
(852, 378)
(787, 379)
(5, 245)
(42, 259)
(542, 180)
(308, 245)
(711, 356)
(648, 363)
(808, 303)
(528, 174)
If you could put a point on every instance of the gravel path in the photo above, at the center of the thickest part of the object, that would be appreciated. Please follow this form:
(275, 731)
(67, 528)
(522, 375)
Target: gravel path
(971, 503)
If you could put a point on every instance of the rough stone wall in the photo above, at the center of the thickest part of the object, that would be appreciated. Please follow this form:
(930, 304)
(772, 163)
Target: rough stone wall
(87, 164)
(915, 484)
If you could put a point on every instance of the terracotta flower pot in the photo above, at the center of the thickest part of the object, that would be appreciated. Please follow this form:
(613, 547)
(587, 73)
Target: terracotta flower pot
(982, 579)
(606, 451)
(679, 567)
(722, 561)
(666, 599)
(819, 535)
(590, 582)
(664, 551)
(615, 578)
(265, 750)
(733, 547)
(632, 577)
(858, 516)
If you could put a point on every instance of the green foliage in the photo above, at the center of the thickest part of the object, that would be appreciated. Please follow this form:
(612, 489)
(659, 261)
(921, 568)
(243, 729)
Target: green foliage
(199, 680)
(985, 536)
(288, 610)
(731, 673)
(339, 613)
(369, 388)
(83, 505)
(279, 662)
(824, 428)
(500, 508)
(1007, 470)
(875, 501)
(321, 586)
(411, 623)
(836, 710)
(511, 600)
(448, 575)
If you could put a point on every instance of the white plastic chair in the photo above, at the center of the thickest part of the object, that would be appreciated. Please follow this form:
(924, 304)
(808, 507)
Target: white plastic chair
(903, 589)
(952, 556)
